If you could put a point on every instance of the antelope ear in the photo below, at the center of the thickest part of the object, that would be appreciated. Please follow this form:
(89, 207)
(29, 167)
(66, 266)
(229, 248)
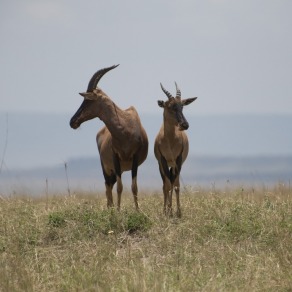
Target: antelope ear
(188, 101)
(160, 103)
(88, 95)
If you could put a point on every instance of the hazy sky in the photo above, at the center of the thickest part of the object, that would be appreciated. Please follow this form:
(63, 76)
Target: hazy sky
(235, 55)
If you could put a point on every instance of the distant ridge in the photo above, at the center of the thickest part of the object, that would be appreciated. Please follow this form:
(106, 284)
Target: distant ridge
(38, 139)
(225, 150)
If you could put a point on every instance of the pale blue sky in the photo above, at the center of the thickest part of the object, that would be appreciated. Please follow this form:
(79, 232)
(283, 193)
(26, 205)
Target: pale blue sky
(235, 55)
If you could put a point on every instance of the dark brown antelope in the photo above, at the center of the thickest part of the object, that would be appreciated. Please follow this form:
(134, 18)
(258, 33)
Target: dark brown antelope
(122, 142)
(171, 146)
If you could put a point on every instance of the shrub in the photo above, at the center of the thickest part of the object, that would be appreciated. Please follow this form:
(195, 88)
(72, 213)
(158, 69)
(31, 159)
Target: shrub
(57, 219)
(137, 222)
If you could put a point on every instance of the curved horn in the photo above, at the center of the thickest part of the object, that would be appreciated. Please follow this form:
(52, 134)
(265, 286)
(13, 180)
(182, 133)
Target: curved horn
(97, 76)
(166, 92)
(178, 93)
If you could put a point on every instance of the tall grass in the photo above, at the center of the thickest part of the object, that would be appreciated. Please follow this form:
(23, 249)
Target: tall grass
(235, 240)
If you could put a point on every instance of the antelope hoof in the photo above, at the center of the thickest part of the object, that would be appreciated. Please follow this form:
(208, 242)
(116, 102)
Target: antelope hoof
(168, 212)
(110, 205)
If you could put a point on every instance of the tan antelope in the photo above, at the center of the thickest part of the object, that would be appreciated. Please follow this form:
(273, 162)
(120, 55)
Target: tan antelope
(122, 142)
(171, 146)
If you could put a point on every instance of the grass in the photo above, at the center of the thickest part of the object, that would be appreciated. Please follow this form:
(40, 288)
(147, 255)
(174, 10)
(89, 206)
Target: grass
(235, 240)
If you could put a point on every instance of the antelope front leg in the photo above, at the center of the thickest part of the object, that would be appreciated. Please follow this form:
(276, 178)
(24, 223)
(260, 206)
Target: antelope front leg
(109, 195)
(110, 180)
(167, 187)
(177, 191)
(177, 184)
(167, 191)
(165, 194)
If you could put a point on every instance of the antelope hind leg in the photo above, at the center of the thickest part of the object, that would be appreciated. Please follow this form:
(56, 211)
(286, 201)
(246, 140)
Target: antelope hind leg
(135, 192)
(134, 181)
(118, 172)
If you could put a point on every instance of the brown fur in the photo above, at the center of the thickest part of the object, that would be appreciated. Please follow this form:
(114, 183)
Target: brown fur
(122, 142)
(171, 147)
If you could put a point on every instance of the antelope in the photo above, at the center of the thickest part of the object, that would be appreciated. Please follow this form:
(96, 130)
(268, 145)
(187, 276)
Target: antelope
(122, 143)
(171, 146)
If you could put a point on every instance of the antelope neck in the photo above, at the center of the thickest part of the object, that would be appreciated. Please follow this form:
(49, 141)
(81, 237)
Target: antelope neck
(170, 127)
(112, 116)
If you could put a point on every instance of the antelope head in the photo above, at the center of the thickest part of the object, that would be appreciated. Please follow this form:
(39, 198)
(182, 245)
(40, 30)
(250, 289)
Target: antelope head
(89, 108)
(173, 108)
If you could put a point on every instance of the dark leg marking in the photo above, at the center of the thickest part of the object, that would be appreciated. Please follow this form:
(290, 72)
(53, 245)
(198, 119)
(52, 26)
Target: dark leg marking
(177, 169)
(165, 168)
(109, 179)
(117, 165)
(161, 173)
(118, 172)
(134, 166)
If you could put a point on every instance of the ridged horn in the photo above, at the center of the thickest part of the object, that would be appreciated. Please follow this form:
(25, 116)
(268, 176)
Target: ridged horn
(178, 93)
(97, 76)
(166, 92)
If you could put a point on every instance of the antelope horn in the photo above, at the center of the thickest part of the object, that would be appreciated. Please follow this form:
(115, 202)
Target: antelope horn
(166, 92)
(97, 76)
(178, 93)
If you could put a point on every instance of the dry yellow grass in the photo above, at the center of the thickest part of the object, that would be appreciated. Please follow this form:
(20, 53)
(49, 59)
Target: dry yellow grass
(233, 240)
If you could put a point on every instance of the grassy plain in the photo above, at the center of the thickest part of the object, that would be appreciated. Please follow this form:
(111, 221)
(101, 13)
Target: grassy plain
(226, 240)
